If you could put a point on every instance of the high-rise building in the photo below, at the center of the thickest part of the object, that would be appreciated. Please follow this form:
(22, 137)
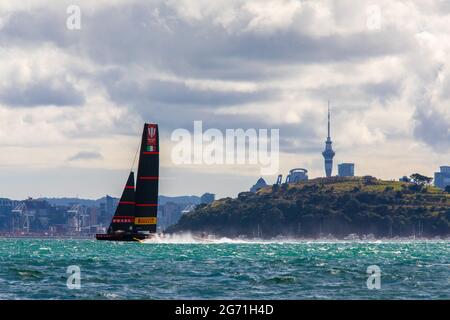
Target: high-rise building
(6, 206)
(328, 153)
(346, 170)
(442, 178)
(109, 205)
(169, 214)
(93, 215)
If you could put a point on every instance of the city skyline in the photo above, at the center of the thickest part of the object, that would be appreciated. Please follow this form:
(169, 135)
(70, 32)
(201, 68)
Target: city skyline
(72, 102)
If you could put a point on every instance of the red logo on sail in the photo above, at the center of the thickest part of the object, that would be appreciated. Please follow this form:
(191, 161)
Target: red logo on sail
(151, 138)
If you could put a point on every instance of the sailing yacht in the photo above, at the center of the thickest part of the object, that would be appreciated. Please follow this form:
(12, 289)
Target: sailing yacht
(136, 214)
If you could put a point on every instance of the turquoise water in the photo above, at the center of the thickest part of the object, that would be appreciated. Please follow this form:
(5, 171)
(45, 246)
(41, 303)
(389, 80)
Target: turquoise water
(36, 269)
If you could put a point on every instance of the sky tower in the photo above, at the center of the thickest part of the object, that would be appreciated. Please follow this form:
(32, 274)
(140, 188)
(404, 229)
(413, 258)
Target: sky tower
(328, 153)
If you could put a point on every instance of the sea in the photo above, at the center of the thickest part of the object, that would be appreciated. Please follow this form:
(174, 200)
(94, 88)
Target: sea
(184, 267)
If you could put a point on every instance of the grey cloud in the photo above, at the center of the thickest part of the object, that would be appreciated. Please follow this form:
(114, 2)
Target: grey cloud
(383, 90)
(120, 37)
(135, 36)
(303, 137)
(233, 56)
(29, 28)
(86, 155)
(123, 36)
(175, 105)
(359, 94)
(174, 93)
(433, 128)
(42, 93)
(292, 46)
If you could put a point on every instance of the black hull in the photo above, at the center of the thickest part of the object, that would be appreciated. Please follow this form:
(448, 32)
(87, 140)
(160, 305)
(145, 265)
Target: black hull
(136, 237)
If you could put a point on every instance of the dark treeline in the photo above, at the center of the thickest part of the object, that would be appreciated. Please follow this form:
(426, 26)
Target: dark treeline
(321, 207)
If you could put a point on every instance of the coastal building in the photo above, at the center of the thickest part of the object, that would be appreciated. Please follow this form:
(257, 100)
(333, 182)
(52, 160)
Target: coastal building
(171, 212)
(442, 178)
(297, 175)
(110, 205)
(93, 215)
(207, 198)
(261, 183)
(328, 153)
(78, 219)
(346, 170)
(31, 215)
(168, 215)
(6, 206)
(71, 217)
(106, 211)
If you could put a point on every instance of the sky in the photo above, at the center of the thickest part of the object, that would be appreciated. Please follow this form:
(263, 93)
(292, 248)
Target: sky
(73, 101)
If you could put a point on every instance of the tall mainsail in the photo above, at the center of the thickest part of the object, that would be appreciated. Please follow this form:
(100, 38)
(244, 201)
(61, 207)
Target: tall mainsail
(123, 219)
(147, 181)
(135, 216)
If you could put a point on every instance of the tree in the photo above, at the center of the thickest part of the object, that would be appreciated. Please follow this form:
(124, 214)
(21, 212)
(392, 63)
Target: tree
(420, 179)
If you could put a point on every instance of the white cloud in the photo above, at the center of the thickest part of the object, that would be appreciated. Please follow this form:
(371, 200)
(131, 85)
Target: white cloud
(271, 15)
(231, 63)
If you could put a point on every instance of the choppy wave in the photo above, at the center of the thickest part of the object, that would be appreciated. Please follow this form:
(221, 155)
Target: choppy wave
(186, 266)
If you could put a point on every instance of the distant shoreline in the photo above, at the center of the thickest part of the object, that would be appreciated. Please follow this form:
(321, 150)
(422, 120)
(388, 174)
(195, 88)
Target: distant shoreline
(37, 236)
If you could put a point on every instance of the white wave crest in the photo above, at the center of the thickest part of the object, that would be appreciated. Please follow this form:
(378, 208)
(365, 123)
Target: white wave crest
(189, 238)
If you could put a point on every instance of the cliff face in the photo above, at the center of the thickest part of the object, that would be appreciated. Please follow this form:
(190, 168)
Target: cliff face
(321, 207)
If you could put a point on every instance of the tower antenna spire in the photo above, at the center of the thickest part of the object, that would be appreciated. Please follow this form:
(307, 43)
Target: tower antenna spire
(328, 118)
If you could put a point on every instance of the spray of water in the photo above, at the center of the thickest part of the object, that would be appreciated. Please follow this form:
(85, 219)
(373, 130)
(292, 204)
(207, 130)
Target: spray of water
(206, 239)
(189, 238)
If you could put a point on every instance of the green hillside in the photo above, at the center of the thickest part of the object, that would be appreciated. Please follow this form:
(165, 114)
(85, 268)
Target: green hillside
(327, 206)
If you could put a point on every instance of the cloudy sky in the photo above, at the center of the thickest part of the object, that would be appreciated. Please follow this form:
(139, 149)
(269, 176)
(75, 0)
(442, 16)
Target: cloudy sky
(72, 102)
